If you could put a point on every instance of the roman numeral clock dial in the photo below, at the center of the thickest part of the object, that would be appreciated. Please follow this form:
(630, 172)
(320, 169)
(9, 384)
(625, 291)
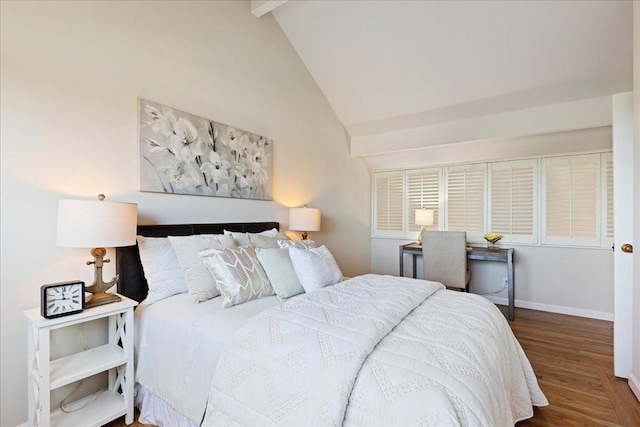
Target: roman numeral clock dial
(61, 299)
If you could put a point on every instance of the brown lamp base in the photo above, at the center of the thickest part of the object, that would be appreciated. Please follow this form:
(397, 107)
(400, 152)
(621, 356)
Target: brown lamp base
(101, 298)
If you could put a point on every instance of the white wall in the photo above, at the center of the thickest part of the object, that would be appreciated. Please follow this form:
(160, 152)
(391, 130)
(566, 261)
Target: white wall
(566, 280)
(71, 73)
(570, 281)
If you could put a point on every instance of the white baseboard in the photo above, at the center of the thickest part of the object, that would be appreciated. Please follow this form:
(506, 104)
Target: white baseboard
(635, 386)
(572, 311)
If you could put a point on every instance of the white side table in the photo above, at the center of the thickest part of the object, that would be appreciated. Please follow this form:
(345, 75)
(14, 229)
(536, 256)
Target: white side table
(116, 357)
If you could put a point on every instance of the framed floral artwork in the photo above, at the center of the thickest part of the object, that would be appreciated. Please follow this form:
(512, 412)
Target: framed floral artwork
(181, 153)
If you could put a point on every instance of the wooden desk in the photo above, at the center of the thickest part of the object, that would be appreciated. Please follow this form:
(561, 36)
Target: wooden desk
(473, 253)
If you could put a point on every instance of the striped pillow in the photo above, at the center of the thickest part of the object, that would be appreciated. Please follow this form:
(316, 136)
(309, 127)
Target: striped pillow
(238, 273)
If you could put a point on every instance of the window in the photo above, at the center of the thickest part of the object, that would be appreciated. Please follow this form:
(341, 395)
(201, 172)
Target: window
(423, 191)
(570, 200)
(465, 199)
(389, 205)
(561, 200)
(512, 207)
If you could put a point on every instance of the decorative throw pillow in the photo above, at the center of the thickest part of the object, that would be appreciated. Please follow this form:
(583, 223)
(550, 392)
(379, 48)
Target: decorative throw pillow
(260, 241)
(316, 268)
(161, 268)
(200, 283)
(277, 264)
(242, 239)
(300, 244)
(238, 273)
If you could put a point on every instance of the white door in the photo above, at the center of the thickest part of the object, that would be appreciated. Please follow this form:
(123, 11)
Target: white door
(623, 206)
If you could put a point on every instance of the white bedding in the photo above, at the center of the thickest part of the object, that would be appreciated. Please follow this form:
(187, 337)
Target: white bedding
(375, 350)
(178, 343)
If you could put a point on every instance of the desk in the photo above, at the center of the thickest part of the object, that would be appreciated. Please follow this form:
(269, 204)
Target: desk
(473, 253)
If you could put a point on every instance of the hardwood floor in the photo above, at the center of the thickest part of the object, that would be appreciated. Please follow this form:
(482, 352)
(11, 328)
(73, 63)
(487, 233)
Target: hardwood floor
(573, 360)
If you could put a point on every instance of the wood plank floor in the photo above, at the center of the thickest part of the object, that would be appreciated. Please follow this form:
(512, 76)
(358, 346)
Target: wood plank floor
(573, 360)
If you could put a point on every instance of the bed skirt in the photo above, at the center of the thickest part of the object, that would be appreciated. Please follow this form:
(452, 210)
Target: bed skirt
(155, 411)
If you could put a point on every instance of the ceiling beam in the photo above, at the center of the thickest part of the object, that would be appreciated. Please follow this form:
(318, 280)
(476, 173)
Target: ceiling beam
(583, 114)
(261, 7)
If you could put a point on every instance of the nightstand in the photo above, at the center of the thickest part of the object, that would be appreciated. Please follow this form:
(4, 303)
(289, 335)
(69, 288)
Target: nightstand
(116, 357)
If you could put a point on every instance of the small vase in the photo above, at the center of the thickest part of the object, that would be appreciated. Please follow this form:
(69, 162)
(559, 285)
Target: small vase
(493, 245)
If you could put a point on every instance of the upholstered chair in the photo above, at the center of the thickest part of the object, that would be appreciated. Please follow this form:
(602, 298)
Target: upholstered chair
(445, 258)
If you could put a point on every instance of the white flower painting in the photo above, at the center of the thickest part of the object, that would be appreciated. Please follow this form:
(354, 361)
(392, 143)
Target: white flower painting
(185, 154)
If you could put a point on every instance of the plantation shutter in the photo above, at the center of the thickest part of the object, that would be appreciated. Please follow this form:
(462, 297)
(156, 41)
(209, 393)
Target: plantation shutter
(389, 196)
(571, 202)
(512, 202)
(607, 200)
(466, 199)
(608, 159)
(423, 191)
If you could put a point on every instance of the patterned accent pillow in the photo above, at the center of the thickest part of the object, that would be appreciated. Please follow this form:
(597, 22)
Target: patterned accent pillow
(242, 239)
(300, 244)
(316, 268)
(238, 273)
(200, 283)
(161, 268)
(265, 241)
(277, 264)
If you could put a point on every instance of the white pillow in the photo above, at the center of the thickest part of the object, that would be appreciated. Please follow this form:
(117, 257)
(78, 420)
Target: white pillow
(300, 244)
(161, 268)
(277, 264)
(242, 239)
(200, 283)
(316, 268)
(238, 273)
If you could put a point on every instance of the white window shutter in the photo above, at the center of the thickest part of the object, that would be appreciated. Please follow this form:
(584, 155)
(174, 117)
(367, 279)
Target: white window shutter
(571, 204)
(512, 202)
(388, 201)
(607, 200)
(423, 192)
(465, 200)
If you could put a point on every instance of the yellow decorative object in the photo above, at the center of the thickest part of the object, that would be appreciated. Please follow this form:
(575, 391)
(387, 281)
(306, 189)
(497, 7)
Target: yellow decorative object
(493, 239)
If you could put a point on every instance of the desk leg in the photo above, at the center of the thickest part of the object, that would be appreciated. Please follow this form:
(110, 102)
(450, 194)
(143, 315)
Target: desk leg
(415, 273)
(401, 269)
(510, 284)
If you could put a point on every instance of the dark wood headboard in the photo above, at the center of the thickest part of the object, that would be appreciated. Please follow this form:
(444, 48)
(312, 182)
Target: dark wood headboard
(132, 282)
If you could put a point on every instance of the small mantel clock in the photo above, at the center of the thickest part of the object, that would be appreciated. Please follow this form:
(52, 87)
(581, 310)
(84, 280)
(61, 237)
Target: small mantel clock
(61, 299)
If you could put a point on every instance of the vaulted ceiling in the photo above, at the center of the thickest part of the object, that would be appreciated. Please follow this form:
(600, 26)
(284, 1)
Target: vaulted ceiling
(388, 65)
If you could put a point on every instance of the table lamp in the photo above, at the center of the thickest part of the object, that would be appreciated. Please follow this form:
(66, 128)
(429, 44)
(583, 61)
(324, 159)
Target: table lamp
(424, 217)
(98, 225)
(304, 219)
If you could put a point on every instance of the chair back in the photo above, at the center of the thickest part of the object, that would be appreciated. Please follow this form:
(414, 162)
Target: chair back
(445, 257)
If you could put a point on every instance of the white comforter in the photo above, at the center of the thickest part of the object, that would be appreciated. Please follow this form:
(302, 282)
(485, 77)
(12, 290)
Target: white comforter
(375, 350)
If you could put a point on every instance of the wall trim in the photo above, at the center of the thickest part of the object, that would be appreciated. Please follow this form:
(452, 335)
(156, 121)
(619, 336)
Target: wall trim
(571, 311)
(634, 384)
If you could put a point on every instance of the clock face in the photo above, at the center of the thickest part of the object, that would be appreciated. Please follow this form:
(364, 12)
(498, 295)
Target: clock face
(62, 299)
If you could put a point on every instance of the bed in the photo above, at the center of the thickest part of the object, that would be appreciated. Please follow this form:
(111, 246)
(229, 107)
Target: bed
(372, 350)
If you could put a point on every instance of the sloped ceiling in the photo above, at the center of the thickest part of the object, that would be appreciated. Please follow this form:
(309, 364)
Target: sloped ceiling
(389, 65)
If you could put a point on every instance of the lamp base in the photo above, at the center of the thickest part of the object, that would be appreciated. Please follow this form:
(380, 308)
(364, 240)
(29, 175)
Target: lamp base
(101, 298)
(422, 229)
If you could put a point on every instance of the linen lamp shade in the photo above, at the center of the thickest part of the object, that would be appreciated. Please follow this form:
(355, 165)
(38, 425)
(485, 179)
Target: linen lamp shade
(304, 219)
(424, 216)
(93, 224)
